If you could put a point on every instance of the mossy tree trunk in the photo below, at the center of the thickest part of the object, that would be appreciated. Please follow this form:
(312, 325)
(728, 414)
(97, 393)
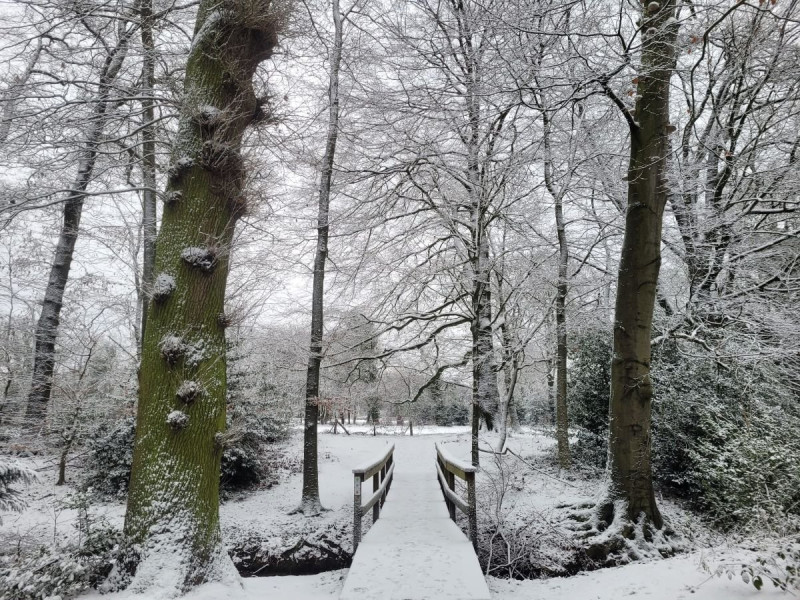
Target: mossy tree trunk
(309, 501)
(629, 460)
(172, 520)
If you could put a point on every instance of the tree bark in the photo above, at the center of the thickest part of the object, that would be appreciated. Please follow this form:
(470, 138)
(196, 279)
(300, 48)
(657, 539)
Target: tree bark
(560, 305)
(172, 521)
(309, 501)
(49, 318)
(629, 460)
(149, 202)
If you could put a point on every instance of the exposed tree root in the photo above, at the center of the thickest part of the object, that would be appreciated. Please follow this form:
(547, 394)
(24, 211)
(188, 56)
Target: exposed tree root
(610, 538)
(309, 508)
(309, 555)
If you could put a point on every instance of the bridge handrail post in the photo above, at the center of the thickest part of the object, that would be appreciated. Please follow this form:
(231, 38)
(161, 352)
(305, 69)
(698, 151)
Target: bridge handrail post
(381, 472)
(451, 483)
(357, 479)
(473, 513)
(376, 483)
(448, 470)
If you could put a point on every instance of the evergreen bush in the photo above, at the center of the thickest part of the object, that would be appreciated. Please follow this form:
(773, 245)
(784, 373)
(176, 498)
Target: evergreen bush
(243, 462)
(721, 438)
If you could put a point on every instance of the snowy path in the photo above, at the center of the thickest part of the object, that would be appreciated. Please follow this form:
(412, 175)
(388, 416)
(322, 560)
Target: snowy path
(414, 551)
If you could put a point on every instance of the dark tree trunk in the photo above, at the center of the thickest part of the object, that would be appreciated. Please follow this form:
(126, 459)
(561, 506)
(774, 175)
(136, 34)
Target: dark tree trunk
(310, 502)
(629, 460)
(562, 288)
(148, 161)
(49, 318)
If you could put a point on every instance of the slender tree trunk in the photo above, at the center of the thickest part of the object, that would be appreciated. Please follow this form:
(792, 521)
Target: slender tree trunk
(310, 502)
(49, 318)
(629, 460)
(510, 366)
(62, 461)
(562, 287)
(551, 391)
(510, 374)
(562, 418)
(485, 393)
(172, 522)
(148, 160)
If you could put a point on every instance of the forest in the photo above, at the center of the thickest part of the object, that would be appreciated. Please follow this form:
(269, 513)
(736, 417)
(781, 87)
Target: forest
(538, 256)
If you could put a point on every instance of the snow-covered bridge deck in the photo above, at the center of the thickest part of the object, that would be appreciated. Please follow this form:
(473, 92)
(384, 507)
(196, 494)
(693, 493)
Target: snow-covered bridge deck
(414, 551)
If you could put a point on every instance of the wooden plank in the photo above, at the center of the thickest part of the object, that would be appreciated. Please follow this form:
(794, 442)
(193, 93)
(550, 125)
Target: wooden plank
(456, 467)
(452, 496)
(377, 495)
(370, 470)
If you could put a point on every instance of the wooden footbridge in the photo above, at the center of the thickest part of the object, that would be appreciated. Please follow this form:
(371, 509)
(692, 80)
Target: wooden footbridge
(414, 549)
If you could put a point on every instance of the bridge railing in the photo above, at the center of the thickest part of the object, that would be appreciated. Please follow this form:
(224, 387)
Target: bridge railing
(448, 469)
(381, 471)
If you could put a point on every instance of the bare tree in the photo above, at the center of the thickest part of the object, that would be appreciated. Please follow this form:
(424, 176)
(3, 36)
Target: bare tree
(49, 318)
(630, 489)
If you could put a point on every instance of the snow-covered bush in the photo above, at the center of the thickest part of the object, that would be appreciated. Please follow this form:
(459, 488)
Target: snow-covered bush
(587, 397)
(520, 541)
(721, 439)
(243, 463)
(62, 571)
(112, 453)
(243, 457)
(10, 474)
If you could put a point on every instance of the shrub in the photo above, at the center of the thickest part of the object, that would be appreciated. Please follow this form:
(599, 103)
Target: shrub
(112, 453)
(242, 458)
(243, 464)
(588, 395)
(64, 570)
(10, 474)
(721, 439)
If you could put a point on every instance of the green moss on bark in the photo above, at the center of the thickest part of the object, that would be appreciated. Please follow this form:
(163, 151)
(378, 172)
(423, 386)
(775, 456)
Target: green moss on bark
(174, 488)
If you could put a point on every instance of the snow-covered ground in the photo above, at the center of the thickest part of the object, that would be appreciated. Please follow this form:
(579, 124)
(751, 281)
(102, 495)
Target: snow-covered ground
(264, 516)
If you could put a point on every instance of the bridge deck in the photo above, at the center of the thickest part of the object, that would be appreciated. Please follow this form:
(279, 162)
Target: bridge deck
(414, 551)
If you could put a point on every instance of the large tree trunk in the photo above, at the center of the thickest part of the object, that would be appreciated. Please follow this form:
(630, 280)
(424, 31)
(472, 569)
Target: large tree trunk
(629, 461)
(148, 162)
(49, 318)
(172, 520)
(309, 501)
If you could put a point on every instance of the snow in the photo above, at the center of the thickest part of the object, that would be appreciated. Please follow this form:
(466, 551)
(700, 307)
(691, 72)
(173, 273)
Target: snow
(414, 551)
(177, 419)
(199, 258)
(172, 347)
(189, 391)
(264, 514)
(163, 286)
(676, 578)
